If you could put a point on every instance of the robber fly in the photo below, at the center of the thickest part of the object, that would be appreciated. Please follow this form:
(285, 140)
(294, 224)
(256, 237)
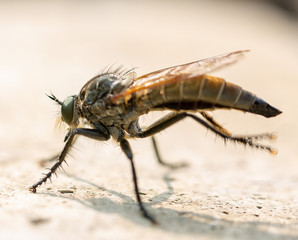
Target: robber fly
(112, 102)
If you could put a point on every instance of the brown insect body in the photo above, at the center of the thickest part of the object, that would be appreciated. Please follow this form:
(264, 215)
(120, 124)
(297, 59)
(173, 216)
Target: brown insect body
(101, 100)
(180, 88)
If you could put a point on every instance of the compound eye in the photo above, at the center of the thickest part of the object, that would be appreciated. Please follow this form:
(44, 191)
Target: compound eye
(67, 109)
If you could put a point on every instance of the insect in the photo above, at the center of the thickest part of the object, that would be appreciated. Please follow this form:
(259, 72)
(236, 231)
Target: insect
(110, 104)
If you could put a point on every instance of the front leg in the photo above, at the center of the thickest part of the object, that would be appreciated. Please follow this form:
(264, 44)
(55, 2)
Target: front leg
(90, 133)
(53, 158)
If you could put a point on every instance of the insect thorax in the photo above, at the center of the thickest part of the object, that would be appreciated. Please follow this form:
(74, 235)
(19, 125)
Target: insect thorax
(94, 102)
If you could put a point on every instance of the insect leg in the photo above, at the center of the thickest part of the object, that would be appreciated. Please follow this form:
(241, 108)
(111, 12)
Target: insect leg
(161, 124)
(161, 161)
(90, 133)
(208, 117)
(158, 126)
(127, 150)
(214, 123)
(172, 118)
(43, 162)
(246, 140)
(54, 157)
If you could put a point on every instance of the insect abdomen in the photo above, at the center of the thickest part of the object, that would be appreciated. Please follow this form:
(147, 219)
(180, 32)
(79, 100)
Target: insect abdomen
(207, 93)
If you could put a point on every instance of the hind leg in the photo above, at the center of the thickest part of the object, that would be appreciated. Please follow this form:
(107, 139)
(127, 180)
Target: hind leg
(172, 118)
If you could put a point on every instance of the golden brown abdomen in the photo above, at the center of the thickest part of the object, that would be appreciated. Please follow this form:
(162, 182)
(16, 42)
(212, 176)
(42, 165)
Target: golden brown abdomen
(206, 93)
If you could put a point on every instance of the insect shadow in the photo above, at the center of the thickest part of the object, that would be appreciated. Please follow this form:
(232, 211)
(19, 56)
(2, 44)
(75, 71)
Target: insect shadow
(175, 221)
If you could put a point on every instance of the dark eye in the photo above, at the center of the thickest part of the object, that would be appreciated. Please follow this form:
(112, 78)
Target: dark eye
(67, 109)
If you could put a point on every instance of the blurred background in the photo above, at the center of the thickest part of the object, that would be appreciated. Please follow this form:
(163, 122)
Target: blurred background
(56, 46)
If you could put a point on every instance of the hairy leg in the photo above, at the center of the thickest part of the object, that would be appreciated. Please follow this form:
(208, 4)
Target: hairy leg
(90, 133)
(125, 146)
(172, 118)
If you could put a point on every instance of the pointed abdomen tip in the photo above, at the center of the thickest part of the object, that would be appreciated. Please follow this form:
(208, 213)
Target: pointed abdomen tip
(263, 108)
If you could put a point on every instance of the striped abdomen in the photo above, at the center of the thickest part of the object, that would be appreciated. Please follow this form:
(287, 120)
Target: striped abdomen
(207, 93)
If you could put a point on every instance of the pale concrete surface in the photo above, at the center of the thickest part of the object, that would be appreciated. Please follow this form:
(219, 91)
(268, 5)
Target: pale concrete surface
(227, 192)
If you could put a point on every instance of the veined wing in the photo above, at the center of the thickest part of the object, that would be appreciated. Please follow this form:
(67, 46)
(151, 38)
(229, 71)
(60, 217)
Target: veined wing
(179, 73)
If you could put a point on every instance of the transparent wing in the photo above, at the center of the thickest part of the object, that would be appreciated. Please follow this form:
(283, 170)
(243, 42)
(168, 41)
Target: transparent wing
(179, 73)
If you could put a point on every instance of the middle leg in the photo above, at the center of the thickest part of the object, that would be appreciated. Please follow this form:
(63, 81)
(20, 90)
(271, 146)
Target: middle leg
(161, 161)
(125, 146)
